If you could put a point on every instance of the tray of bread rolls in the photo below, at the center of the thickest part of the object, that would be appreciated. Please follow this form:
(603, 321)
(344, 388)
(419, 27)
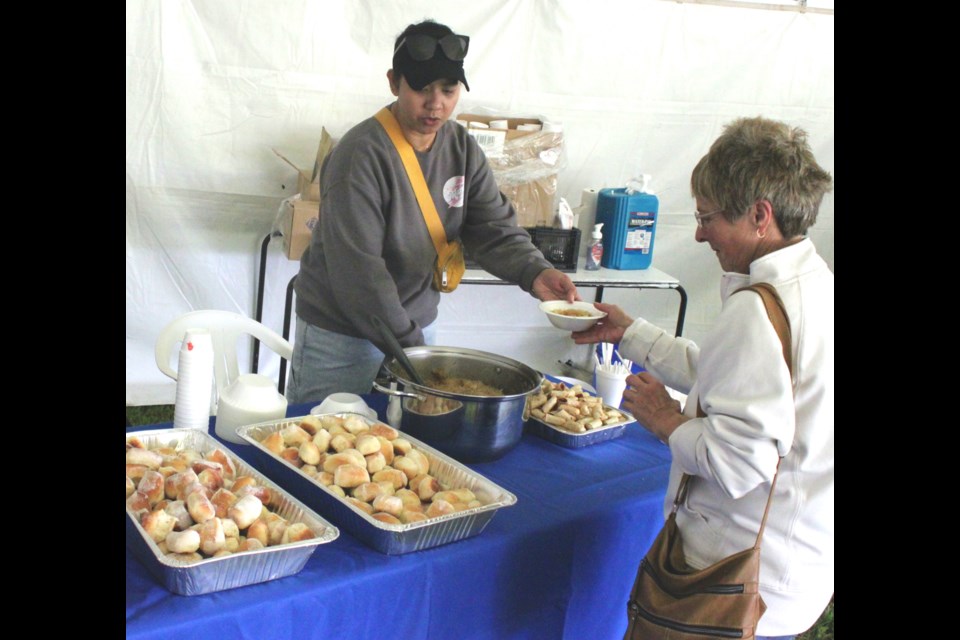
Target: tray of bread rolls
(391, 491)
(571, 417)
(203, 520)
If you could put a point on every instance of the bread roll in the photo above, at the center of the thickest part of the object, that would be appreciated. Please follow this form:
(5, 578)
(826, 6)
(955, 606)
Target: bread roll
(350, 475)
(384, 431)
(186, 558)
(212, 479)
(310, 453)
(152, 484)
(411, 501)
(407, 516)
(342, 441)
(355, 424)
(183, 541)
(147, 458)
(201, 465)
(294, 436)
(200, 507)
(367, 491)
(360, 504)
(250, 544)
(173, 485)
(296, 532)
(292, 455)
(396, 477)
(242, 481)
(130, 486)
(420, 458)
(386, 448)
(274, 443)
(222, 500)
(136, 471)
(138, 501)
(325, 478)
(408, 465)
(337, 491)
(311, 424)
(367, 444)
(260, 531)
(388, 504)
(244, 511)
(375, 462)
(454, 496)
(427, 487)
(229, 469)
(212, 538)
(178, 509)
(331, 462)
(322, 439)
(439, 508)
(386, 517)
(158, 524)
(401, 446)
(277, 529)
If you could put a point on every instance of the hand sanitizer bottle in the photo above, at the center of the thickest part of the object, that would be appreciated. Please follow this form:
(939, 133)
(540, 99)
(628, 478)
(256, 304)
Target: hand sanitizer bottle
(595, 249)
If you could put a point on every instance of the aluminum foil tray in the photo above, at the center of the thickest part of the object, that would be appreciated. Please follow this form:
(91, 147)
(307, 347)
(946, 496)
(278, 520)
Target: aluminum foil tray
(390, 539)
(238, 569)
(571, 440)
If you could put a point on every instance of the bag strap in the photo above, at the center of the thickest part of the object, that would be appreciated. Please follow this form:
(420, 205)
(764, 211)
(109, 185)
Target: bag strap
(777, 314)
(415, 174)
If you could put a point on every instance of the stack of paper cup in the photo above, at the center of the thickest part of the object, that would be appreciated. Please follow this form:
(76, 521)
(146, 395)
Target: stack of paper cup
(194, 381)
(611, 385)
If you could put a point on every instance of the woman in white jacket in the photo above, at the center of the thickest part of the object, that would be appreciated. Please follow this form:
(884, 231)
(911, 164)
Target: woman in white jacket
(757, 191)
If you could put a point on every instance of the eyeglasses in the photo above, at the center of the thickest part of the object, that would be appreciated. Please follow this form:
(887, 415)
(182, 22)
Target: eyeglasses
(422, 47)
(701, 216)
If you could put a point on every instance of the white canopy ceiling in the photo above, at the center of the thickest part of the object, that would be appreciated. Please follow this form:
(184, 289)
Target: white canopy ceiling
(641, 86)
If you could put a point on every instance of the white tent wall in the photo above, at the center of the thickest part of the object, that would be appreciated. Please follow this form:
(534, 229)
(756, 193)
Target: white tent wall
(641, 86)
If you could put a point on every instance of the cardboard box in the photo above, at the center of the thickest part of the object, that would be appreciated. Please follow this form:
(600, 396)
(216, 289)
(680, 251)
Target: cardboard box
(303, 217)
(534, 201)
(525, 165)
(300, 214)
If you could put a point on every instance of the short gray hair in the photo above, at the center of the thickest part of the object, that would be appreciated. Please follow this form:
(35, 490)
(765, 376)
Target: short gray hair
(760, 159)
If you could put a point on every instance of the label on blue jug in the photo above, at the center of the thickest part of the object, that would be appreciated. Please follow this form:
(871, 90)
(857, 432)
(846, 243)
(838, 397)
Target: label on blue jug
(639, 232)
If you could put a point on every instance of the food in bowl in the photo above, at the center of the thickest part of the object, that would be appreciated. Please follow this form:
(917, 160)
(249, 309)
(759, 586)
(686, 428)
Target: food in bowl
(571, 316)
(573, 313)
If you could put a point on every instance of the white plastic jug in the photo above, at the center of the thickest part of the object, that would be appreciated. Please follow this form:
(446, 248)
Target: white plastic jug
(249, 399)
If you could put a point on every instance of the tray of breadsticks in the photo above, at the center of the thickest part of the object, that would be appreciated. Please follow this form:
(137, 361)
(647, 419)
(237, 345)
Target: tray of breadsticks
(391, 491)
(203, 520)
(571, 417)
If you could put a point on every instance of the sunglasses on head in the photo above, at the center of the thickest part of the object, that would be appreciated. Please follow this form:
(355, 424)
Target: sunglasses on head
(422, 47)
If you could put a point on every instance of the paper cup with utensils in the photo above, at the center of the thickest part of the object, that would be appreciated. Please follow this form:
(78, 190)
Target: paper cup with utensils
(611, 383)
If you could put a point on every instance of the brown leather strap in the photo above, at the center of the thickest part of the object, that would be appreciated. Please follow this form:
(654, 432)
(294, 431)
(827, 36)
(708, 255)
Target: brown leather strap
(777, 314)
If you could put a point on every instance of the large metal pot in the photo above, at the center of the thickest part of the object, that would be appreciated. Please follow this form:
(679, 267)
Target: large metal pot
(468, 428)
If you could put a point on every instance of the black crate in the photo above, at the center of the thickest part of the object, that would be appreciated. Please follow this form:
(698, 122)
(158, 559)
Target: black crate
(560, 246)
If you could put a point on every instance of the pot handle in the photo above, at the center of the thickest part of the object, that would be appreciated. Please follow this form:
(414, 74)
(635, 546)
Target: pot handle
(394, 392)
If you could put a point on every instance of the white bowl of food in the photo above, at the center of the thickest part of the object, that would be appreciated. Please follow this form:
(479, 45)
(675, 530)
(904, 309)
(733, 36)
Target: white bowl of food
(571, 316)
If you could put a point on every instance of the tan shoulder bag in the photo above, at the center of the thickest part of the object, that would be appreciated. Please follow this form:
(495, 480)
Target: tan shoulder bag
(672, 601)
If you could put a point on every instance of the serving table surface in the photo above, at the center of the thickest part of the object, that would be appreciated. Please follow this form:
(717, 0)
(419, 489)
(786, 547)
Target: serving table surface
(559, 564)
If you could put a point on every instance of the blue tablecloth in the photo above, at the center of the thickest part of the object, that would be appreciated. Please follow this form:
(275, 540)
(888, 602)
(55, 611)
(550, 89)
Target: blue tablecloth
(558, 564)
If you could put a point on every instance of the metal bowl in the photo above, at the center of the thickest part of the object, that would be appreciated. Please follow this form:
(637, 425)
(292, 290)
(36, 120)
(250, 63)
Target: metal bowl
(468, 428)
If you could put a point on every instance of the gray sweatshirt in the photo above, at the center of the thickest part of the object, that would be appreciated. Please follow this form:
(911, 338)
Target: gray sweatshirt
(371, 253)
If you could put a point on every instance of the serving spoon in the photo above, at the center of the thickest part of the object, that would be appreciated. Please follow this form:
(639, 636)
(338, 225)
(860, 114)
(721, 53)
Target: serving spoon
(393, 345)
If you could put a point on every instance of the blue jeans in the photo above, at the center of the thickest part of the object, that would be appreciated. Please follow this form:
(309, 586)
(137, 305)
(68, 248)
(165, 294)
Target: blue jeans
(326, 362)
(775, 637)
